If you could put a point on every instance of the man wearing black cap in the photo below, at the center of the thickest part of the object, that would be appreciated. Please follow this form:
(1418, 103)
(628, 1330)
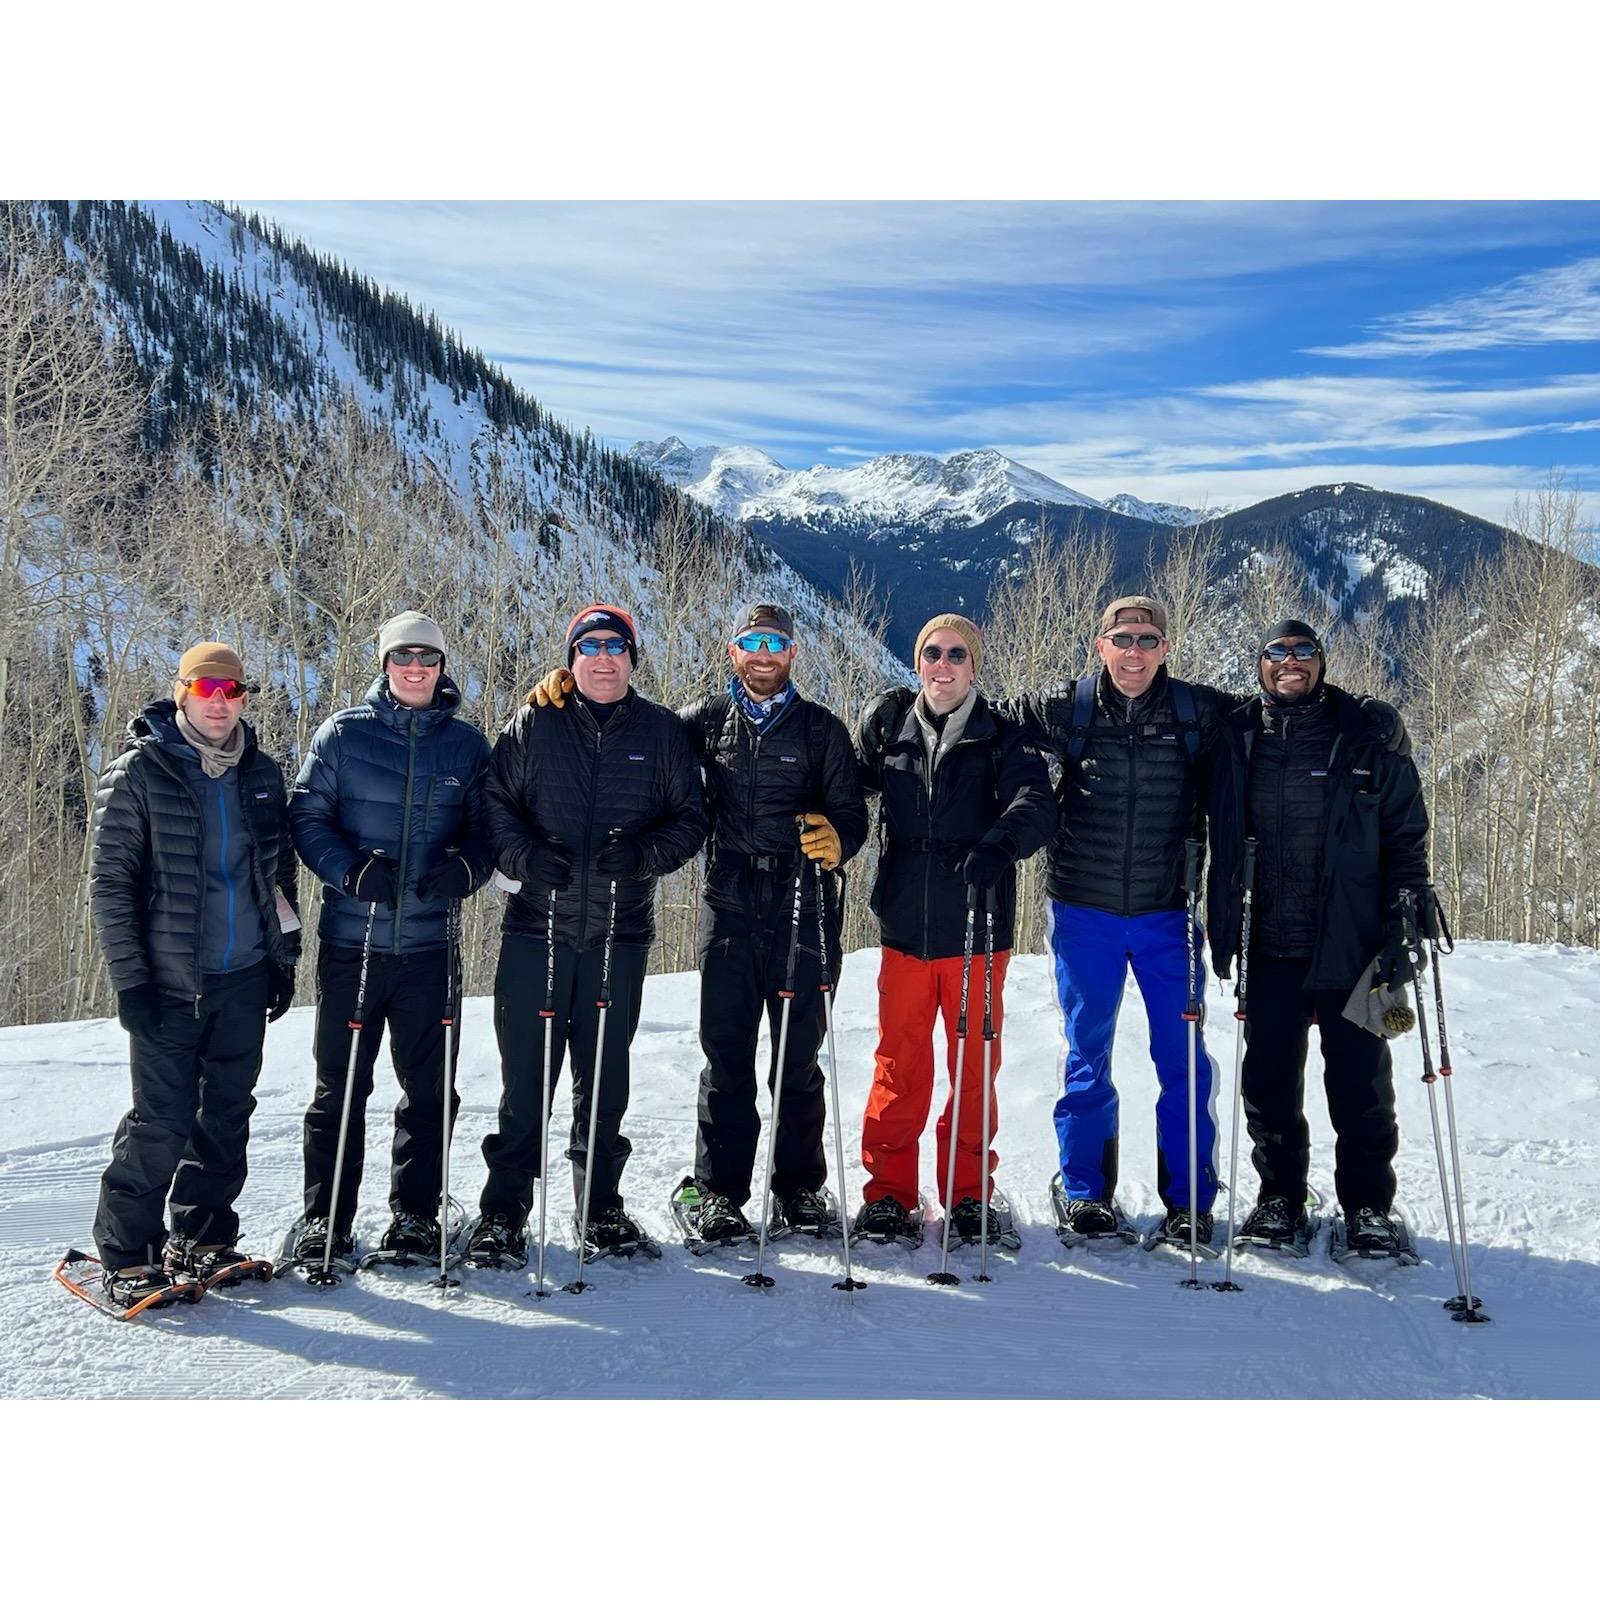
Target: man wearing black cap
(1324, 782)
(783, 791)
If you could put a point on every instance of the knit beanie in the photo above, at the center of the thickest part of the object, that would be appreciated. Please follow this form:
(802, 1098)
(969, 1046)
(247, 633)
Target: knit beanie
(410, 630)
(599, 618)
(1289, 628)
(968, 630)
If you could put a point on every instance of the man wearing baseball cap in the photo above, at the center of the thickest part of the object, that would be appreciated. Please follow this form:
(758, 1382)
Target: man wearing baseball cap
(1324, 782)
(1136, 748)
(388, 812)
(783, 793)
(192, 888)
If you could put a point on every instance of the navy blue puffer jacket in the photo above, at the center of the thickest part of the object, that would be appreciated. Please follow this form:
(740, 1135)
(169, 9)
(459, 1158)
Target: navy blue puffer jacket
(380, 776)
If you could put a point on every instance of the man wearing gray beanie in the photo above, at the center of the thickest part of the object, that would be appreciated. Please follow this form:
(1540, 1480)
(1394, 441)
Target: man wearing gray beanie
(388, 811)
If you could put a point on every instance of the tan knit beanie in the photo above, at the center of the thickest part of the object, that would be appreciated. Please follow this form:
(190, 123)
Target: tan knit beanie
(968, 630)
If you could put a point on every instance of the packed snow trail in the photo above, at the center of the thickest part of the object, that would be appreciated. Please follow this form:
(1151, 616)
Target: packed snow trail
(1525, 1031)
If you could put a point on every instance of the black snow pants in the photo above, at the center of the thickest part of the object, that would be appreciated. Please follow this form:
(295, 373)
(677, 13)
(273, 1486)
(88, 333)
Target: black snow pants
(406, 995)
(193, 1091)
(743, 954)
(512, 1151)
(1356, 1070)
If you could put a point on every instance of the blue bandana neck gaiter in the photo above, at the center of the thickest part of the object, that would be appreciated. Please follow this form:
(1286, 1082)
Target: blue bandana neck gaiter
(759, 714)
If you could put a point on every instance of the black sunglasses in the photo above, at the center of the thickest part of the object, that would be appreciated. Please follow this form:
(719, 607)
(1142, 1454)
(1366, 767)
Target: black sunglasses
(956, 655)
(423, 658)
(1302, 650)
(1126, 641)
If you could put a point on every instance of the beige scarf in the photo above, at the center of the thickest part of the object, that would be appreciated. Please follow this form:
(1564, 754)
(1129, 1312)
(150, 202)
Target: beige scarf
(216, 760)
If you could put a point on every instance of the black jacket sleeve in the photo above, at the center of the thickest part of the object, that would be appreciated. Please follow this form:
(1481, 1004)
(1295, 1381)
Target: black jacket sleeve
(119, 861)
(878, 724)
(1022, 781)
(287, 882)
(669, 843)
(1045, 719)
(1402, 826)
(843, 803)
(472, 838)
(512, 839)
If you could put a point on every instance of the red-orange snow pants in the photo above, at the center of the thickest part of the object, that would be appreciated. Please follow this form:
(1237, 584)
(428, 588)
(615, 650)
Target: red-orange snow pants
(911, 996)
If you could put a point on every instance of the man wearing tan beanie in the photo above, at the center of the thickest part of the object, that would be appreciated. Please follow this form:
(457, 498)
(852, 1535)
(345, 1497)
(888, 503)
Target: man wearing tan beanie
(192, 888)
(963, 800)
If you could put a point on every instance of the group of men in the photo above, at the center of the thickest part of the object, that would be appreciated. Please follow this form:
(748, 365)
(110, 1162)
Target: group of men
(592, 792)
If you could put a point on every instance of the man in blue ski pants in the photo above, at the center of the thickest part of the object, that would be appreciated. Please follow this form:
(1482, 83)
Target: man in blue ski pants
(1135, 748)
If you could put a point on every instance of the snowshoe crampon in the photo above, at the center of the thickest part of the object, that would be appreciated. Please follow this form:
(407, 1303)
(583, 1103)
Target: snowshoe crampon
(84, 1276)
(881, 1222)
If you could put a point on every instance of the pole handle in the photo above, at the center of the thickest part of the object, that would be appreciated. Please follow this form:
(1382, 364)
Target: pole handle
(1191, 866)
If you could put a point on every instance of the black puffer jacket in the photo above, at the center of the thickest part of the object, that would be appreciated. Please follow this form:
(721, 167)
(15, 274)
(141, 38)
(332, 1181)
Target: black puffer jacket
(147, 875)
(757, 785)
(1286, 808)
(559, 776)
(989, 787)
(1128, 805)
(1375, 836)
(382, 776)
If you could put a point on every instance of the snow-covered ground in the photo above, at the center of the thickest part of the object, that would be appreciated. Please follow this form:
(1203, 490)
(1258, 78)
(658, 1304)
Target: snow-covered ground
(1526, 1035)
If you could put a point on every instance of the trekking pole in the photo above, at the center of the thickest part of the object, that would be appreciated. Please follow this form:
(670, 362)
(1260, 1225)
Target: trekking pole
(324, 1277)
(1191, 887)
(846, 1283)
(758, 1279)
(1228, 1286)
(549, 1016)
(944, 1275)
(603, 1002)
(1408, 906)
(452, 1004)
(1465, 1307)
(988, 1077)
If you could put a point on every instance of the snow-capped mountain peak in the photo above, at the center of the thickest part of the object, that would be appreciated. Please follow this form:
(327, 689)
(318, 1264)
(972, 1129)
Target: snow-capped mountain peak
(1130, 505)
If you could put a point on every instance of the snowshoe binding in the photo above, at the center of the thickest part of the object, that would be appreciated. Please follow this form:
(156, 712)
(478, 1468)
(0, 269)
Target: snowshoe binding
(615, 1233)
(1173, 1232)
(1278, 1225)
(496, 1242)
(217, 1266)
(305, 1245)
(1097, 1223)
(1372, 1235)
(886, 1221)
(809, 1211)
(707, 1221)
(126, 1293)
(412, 1240)
(967, 1224)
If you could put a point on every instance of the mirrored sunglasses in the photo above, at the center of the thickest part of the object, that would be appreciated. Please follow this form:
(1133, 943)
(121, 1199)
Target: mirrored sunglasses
(229, 688)
(776, 643)
(610, 647)
(1302, 650)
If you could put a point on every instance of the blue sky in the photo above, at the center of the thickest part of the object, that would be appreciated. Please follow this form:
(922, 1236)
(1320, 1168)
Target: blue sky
(1208, 353)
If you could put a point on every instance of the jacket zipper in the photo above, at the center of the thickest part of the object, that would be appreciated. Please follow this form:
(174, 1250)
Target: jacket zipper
(405, 834)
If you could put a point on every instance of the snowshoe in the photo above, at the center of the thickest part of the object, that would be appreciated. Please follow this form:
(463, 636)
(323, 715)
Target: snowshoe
(412, 1240)
(886, 1221)
(967, 1224)
(216, 1266)
(1097, 1223)
(1372, 1235)
(123, 1295)
(706, 1220)
(305, 1245)
(1173, 1232)
(809, 1211)
(615, 1233)
(1278, 1225)
(496, 1242)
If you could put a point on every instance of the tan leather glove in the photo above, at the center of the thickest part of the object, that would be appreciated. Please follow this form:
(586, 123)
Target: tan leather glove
(819, 839)
(553, 688)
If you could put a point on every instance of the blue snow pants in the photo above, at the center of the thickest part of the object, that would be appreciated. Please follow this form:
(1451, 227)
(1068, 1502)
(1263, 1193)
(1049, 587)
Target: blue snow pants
(1093, 951)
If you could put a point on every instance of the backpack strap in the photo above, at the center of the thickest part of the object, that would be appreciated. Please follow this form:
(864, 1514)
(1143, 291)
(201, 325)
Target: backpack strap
(1082, 716)
(1188, 715)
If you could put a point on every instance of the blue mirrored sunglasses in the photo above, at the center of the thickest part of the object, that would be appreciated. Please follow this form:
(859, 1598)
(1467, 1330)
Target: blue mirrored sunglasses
(774, 642)
(611, 647)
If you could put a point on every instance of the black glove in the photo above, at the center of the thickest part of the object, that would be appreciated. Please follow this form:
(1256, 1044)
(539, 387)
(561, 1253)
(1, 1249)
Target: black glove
(1400, 960)
(621, 858)
(372, 879)
(280, 990)
(449, 879)
(139, 1008)
(985, 866)
(551, 868)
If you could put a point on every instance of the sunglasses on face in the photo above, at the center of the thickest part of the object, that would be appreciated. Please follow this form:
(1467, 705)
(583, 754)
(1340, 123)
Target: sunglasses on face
(1126, 641)
(775, 643)
(422, 658)
(956, 655)
(229, 688)
(595, 647)
(1303, 651)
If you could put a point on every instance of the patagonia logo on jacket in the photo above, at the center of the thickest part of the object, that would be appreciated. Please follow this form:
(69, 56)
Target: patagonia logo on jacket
(636, 755)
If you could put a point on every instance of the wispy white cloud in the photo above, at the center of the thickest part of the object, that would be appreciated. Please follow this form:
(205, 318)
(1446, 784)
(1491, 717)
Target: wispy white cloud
(1558, 305)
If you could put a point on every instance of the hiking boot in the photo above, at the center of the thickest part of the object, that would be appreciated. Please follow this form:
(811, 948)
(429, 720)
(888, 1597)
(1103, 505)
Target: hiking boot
(411, 1235)
(805, 1211)
(125, 1287)
(614, 1230)
(968, 1221)
(720, 1218)
(497, 1241)
(1275, 1219)
(1091, 1219)
(311, 1242)
(184, 1258)
(1176, 1228)
(883, 1219)
(1374, 1230)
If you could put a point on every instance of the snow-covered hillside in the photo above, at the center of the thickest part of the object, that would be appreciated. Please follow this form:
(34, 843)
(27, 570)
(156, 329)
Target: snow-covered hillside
(1130, 505)
(1524, 1026)
(746, 484)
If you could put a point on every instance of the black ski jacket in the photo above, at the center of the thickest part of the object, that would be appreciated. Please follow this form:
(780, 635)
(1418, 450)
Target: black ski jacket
(559, 776)
(756, 785)
(1374, 844)
(989, 787)
(147, 872)
(1128, 803)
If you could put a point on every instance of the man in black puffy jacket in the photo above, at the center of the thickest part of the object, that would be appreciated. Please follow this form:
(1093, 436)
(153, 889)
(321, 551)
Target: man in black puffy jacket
(192, 887)
(963, 800)
(388, 812)
(783, 795)
(588, 805)
(1325, 784)
(1136, 748)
